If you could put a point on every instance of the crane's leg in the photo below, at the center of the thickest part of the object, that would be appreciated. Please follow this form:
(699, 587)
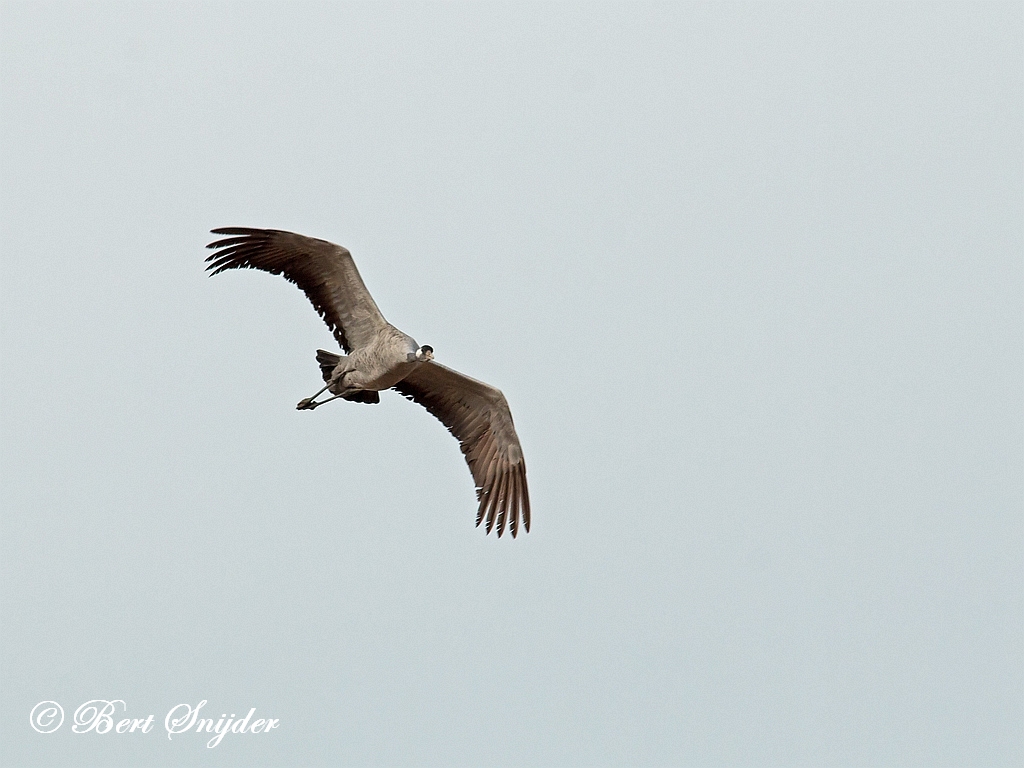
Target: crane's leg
(308, 402)
(312, 405)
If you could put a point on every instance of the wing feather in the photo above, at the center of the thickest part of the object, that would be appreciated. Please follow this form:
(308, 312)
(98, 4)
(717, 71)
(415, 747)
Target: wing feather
(517, 502)
(504, 503)
(513, 526)
(483, 465)
(324, 271)
(478, 416)
(494, 512)
(524, 499)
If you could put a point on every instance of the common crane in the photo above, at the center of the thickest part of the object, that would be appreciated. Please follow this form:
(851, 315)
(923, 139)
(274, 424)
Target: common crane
(379, 356)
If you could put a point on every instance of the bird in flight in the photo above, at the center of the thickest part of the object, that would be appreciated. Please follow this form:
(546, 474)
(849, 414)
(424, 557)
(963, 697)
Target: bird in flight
(378, 356)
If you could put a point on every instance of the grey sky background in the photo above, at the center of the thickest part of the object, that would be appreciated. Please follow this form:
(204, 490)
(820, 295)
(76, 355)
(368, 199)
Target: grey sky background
(749, 275)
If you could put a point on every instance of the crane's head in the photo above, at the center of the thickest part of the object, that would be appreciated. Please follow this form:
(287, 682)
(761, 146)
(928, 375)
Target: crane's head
(423, 354)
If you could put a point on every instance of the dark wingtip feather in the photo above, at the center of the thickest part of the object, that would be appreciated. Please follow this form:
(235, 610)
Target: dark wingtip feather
(480, 509)
(502, 506)
(526, 501)
(513, 511)
(513, 520)
(235, 231)
(224, 242)
(500, 502)
(492, 504)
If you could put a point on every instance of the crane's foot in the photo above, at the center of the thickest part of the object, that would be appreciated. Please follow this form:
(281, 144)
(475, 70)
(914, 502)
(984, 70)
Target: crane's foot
(306, 405)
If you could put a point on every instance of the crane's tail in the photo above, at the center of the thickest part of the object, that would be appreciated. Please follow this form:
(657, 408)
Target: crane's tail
(328, 362)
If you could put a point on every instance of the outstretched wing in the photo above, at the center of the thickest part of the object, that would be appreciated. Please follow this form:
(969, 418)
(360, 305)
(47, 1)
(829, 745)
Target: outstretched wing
(478, 415)
(324, 271)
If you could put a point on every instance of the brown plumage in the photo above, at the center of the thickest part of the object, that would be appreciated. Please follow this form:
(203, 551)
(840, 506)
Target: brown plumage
(479, 417)
(324, 271)
(382, 357)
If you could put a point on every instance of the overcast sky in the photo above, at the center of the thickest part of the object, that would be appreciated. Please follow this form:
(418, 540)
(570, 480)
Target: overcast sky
(750, 277)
